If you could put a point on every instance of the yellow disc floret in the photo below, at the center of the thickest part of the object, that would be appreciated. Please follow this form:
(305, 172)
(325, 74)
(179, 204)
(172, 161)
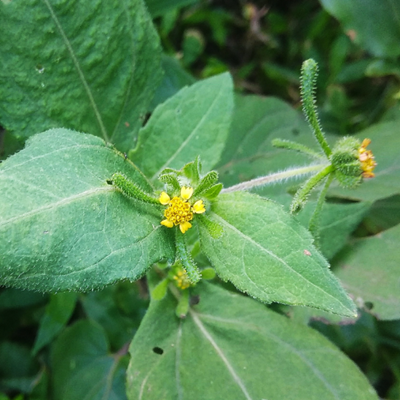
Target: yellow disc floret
(180, 211)
(181, 279)
(367, 159)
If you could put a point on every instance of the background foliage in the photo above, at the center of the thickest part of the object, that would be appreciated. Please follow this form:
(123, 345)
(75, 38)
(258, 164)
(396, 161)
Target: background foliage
(262, 45)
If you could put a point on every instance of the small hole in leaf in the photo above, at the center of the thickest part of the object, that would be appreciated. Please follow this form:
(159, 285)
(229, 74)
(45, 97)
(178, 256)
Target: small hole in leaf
(40, 68)
(109, 181)
(194, 300)
(158, 350)
(368, 305)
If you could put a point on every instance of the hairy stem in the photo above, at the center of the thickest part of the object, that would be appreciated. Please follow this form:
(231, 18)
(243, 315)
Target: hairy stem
(186, 259)
(309, 73)
(275, 177)
(303, 193)
(313, 225)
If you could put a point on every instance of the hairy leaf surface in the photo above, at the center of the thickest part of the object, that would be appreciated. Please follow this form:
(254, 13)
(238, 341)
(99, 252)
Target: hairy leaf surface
(89, 66)
(233, 348)
(63, 227)
(266, 253)
(194, 122)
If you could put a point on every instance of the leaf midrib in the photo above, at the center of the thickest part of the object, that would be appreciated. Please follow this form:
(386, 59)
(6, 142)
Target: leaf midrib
(79, 70)
(280, 260)
(67, 200)
(220, 353)
(275, 338)
(186, 141)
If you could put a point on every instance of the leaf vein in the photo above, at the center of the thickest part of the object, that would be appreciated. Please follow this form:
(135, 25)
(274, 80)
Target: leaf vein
(229, 366)
(282, 342)
(280, 260)
(186, 141)
(79, 70)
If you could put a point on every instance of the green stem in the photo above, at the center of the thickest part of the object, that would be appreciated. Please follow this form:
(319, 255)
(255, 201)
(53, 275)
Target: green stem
(273, 178)
(309, 73)
(186, 259)
(302, 194)
(130, 189)
(300, 148)
(313, 225)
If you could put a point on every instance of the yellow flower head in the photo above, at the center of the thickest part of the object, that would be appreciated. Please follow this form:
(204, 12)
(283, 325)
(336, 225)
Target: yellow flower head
(367, 159)
(181, 279)
(180, 211)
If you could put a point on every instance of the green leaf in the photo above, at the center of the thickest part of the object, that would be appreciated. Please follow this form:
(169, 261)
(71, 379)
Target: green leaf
(385, 147)
(57, 314)
(337, 222)
(92, 67)
(231, 347)
(249, 152)
(266, 253)
(9, 144)
(174, 79)
(369, 270)
(380, 37)
(192, 123)
(64, 227)
(83, 368)
(15, 298)
(104, 307)
(384, 214)
(158, 8)
(16, 361)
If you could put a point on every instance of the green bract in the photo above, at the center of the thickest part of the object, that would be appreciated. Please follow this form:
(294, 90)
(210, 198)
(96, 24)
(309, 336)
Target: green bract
(345, 160)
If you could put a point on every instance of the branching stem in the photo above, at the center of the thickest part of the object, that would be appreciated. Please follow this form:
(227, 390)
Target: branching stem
(302, 194)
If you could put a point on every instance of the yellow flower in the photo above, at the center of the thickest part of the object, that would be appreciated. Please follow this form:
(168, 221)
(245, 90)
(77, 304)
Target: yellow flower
(367, 159)
(198, 207)
(186, 192)
(181, 279)
(164, 199)
(180, 211)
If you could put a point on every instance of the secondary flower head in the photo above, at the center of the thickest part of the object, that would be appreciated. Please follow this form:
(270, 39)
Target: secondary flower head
(367, 159)
(181, 278)
(180, 210)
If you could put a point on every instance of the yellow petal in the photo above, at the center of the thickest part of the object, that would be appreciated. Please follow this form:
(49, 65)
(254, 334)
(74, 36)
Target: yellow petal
(368, 174)
(164, 198)
(167, 223)
(198, 207)
(186, 192)
(365, 142)
(185, 226)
